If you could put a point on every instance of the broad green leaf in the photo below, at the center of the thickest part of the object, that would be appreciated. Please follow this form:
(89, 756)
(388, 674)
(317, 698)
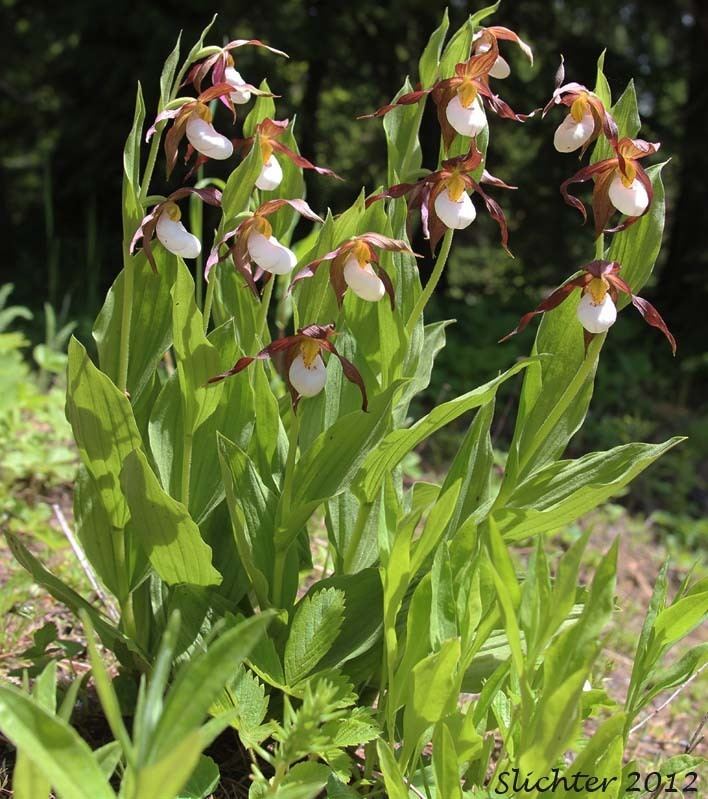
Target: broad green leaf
(602, 87)
(447, 777)
(398, 443)
(626, 115)
(435, 526)
(168, 74)
(132, 210)
(203, 781)
(150, 325)
(200, 681)
(457, 49)
(401, 126)
(263, 108)
(395, 787)
(28, 782)
(433, 689)
(170, 538)
(316, 624)
(240, 184)
(164, 778)
(563, 491)
(676, 621)
(363, 609)
(56, 749)
(472, 468)
(105, 432)
(251, 506)
(418, 643)
(333, 460)
(444, 623)
(197, 359)
(430, 58)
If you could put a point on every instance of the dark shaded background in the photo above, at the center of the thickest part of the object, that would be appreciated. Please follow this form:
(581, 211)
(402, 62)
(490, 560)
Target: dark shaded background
(67, 88)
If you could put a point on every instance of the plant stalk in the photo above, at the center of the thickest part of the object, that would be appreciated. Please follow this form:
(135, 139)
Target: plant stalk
(427, 292)
(285, 500)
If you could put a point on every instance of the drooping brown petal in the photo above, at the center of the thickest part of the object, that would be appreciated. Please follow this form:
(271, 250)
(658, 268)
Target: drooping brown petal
(494, 181)
(602, 208)
(336, 277)
(200, 70)
(443, 92)
(410, 98)
(653, 317)
(479, 65)
(309, 269)
(433, 227)
(303, 162)
(209, 195)
(146, 232)
(220, 91)
(257, 43)
(267, 352)
(501, 108)
(173, 138)
(510, 36)
(553, 300)
(495, 211)
(350, 372)
(271, 206)
(388, 285)
(170, 113)
(385, 242)
(581, 176)
(391, 193)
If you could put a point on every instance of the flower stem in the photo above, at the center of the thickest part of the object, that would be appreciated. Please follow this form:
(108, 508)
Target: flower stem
(126, 319)
(209, 299)
(262, 320)
(427, 292)
(285, 501)
(150, 166)
(186, 468)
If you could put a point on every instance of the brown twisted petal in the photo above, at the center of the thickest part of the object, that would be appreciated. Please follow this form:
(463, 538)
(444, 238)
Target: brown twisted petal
(553, 300)
(301, 206)
(509, 35)
(581, 176)
(350, 371)
(410, 98)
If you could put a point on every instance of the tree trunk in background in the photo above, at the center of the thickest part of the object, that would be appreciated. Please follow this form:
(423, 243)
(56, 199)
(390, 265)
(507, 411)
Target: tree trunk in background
(682, 293)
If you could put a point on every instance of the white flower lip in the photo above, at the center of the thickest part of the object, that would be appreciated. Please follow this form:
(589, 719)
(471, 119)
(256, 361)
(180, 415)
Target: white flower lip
(630, 200)
(308, 381)
(571, 135)
(271, 175)
(363, 281)
(176, 238)
(206, 140)
(455, 214)
(466, 121)
(240, 96)
(596, 317)
(270, 254)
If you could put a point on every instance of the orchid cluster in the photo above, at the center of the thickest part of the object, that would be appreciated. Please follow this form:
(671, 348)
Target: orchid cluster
(620, 184)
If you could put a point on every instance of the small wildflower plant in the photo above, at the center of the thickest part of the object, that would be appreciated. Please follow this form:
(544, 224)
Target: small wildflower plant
(222, 431)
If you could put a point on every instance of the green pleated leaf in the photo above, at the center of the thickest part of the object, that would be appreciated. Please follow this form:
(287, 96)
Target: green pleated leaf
(170, 538)
(55, 748)
(560, 493)
(397, 444)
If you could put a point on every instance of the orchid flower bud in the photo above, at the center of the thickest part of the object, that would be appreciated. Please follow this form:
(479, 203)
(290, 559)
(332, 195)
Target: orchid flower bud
(631, 200)
(466, 120)
(240, 96)
(501, 68)
(596, 309)
(270, 254)
(363, 281)
(570, 135)
(307, 373)
(271, 175)
(174, 236)
(455, 213)
(207, 141)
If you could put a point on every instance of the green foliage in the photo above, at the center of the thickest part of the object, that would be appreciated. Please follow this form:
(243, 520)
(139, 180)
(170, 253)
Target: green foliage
(199, 500)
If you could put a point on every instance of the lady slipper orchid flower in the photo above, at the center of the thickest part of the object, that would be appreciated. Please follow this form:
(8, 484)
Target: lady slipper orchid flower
(620, 184)
(193, 119)
(355, 265)
(600, 284)
(223, 70)
(459, 99)
(587, 116)
(443, 197)
(163, 221)
(481, 44)
(305, 369)
(256, 245)
(269, 132)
